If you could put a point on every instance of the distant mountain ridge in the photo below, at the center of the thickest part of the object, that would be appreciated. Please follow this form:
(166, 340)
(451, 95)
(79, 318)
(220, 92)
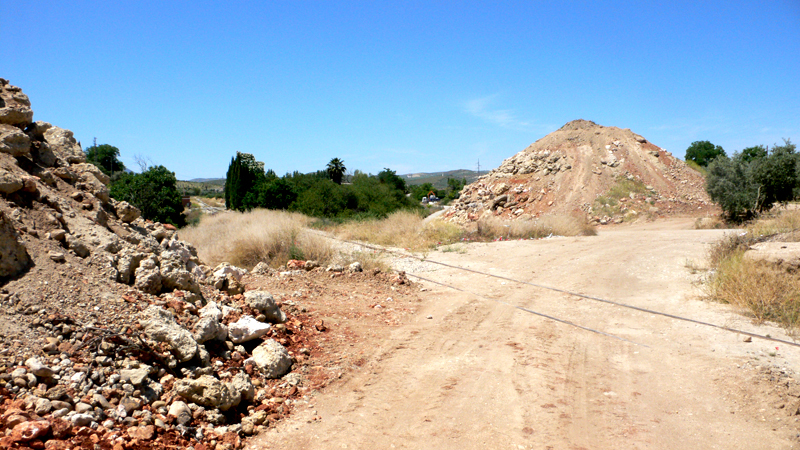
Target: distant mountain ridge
(439, 179)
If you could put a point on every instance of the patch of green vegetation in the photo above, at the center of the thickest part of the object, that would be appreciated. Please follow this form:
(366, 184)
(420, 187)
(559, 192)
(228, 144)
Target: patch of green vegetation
(609, 204)
(693, 165)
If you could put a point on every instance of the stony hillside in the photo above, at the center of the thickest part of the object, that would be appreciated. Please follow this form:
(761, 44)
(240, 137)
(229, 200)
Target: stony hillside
(113, 334)
(604, 173)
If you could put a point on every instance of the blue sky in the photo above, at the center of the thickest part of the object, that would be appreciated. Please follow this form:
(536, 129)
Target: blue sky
(412, 86)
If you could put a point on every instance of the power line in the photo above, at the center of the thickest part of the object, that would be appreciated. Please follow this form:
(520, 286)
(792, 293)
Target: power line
(575, 294)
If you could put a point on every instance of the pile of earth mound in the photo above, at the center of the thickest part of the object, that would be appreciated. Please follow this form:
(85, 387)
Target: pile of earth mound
(606, 174)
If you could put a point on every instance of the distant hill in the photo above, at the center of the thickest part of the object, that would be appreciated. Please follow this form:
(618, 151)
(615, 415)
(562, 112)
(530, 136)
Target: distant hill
(439, 179)
(219, 181)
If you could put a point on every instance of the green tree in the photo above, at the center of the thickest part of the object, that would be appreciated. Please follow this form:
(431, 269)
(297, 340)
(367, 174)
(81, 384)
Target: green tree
(106, 157)
(336, 170)
(241, 182)
(776, 175)
(703, 152)
(391, 178)
(751, 153)
(729, 184)
(750, 183)
(154, 192)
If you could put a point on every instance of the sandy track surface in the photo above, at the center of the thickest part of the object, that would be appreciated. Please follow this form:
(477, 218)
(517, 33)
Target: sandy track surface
(481, 374)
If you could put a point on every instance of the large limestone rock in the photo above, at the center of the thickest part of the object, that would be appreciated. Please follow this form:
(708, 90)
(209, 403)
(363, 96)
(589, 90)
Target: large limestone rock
(263, 302)
(175, 276)
(209, 328)
(10, 182)
(246, 329)
(126, 212)
(272, 358)
(15, 107)
(13, 141)
(13, 255)
(148, 276)
(64, 145)
(208, 391)
(160, 325)
(242, 384)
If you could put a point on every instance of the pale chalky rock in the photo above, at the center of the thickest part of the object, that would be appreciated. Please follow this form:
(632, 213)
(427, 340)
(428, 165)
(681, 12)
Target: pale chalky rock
(127, 212)
(15, 106)
(272, 358)
(241, 383)
(211, 310)
(13, 141)
(64, 145)
(181, 412)
(10, 182)
(160, 325)
(246, 329)
(209, 328)
(264, 303)
(39, 369)
(148, 276)
(208, 391)
(175, 276)
(135, 376)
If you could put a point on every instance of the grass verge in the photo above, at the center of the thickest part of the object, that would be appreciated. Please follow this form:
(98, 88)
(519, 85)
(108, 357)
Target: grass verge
(763, 290)
(494, 227)
(245, 239)
(405, 229)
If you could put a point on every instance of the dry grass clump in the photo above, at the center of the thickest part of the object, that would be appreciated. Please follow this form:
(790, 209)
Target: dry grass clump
(245, 239)
(709, 223)
(766, 291)
(494, 227)
(404, 229)
(785, 223)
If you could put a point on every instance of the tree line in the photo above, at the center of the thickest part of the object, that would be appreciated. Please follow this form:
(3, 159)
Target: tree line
(749, 182)
(327, 193)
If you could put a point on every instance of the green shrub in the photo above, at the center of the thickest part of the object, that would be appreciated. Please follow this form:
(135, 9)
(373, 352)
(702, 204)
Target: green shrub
(154, 192)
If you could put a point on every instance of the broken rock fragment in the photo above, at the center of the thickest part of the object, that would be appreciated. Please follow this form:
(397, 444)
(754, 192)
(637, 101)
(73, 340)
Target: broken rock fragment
(160, 325)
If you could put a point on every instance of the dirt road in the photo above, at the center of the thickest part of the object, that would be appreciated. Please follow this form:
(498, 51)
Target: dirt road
(480, 374)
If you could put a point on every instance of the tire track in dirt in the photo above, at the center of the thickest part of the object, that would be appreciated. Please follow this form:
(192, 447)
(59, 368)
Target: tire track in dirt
(484, 375)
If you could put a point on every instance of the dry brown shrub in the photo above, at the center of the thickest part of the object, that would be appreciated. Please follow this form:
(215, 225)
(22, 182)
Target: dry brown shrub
(494, 227)
(405, 229)
(245, 239)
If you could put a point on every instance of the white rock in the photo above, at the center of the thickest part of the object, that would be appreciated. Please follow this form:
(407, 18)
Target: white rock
(272, 358)
(246, 329)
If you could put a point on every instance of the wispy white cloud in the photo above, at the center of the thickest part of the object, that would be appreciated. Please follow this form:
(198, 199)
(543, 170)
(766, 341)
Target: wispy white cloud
(506, 118)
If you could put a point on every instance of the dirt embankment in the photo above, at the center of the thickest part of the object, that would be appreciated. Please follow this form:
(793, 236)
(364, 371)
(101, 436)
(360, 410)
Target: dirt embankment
(574, 169)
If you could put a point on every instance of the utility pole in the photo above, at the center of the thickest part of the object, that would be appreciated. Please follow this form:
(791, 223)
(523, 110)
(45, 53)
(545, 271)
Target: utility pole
(479, 167)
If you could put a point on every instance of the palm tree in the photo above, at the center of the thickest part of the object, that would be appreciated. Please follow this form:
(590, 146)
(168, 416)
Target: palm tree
(336, 170)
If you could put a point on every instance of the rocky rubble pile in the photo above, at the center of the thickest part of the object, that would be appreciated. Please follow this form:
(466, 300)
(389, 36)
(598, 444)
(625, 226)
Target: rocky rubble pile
(570, 171)
(113, 333)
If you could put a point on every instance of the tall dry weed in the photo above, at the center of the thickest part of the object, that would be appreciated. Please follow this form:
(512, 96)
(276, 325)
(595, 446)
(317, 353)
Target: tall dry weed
(493, 227)
(765, 291)
(405, 229)
(245, 239)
